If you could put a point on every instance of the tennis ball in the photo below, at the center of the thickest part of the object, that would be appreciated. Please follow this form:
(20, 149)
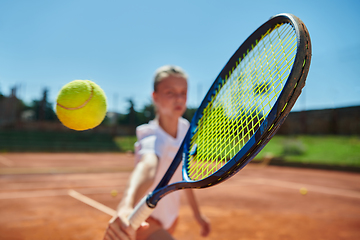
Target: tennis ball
(81, 105)
(303, 191)
(113, 193)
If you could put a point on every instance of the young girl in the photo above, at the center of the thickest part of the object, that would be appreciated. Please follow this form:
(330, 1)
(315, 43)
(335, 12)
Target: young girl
(158, 142)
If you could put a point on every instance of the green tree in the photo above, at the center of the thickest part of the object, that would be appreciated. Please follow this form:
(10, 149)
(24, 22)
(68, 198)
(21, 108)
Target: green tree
(189, 113)
(147, 113)
(131, 117)
(43, 109)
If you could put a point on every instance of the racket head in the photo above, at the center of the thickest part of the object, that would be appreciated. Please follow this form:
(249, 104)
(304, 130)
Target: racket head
(269, 69)
(245, 81)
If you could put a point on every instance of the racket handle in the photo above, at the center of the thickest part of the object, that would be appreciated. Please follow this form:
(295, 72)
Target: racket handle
(141, 212)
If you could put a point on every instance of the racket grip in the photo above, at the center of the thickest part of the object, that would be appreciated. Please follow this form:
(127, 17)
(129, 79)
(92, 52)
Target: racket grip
(141, 212)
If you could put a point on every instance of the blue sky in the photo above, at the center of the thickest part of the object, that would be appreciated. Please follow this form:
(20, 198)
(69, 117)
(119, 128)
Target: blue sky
(119, 45)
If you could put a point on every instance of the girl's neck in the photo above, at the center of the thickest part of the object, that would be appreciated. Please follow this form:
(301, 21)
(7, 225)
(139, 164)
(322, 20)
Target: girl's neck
(169, 125)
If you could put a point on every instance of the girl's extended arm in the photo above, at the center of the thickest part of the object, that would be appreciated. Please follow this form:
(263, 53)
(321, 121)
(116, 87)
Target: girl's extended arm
(140, 180)
(202, 220)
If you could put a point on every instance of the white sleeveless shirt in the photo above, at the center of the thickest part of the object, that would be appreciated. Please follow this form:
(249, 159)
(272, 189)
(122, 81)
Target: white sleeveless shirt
(151, 138)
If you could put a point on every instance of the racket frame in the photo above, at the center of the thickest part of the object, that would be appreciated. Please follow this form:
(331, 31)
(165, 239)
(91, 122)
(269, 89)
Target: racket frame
(267, 129)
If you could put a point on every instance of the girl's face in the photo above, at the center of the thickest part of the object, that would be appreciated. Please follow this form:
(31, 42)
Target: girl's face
(170, 96)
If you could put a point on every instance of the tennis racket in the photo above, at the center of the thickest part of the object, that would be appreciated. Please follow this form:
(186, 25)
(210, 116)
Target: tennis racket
(243, 109)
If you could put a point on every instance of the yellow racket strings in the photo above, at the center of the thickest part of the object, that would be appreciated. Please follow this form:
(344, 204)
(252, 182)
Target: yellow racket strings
(243, 100)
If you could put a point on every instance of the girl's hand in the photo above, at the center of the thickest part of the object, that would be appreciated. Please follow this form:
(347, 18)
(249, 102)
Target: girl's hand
(204, 224)
(120, 229)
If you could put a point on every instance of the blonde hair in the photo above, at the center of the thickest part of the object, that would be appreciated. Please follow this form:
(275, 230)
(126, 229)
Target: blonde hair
(166, 71)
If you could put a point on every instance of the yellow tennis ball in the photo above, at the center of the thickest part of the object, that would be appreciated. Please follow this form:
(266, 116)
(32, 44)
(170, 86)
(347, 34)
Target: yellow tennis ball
(303, 191)
(81, 105)
(114, 193)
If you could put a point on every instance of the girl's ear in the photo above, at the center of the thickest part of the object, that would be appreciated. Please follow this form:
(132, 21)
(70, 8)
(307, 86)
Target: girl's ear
(153, 96)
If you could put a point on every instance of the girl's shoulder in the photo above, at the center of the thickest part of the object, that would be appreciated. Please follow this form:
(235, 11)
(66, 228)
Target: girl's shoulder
(184, 122)
(146, 130)
(153, 129)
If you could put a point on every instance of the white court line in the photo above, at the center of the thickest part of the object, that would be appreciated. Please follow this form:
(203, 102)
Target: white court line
(91, 202)
(30, 194)
(310, 187)
(61, 170)
(53, 193)
(5, 161)
(27, 186)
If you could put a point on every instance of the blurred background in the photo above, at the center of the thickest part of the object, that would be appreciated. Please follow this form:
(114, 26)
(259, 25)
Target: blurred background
(120, 44)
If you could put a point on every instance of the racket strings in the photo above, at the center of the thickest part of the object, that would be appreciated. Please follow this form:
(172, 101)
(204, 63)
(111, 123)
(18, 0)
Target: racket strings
(220, 146)
(242, 101)
(233, 151)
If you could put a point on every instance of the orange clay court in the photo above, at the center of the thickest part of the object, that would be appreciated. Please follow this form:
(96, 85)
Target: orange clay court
(260, 202)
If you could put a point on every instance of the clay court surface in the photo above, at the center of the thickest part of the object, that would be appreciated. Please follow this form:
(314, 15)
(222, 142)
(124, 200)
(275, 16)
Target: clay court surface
(260, 202)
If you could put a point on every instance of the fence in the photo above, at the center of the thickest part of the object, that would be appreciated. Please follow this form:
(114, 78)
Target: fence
(341, 121)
